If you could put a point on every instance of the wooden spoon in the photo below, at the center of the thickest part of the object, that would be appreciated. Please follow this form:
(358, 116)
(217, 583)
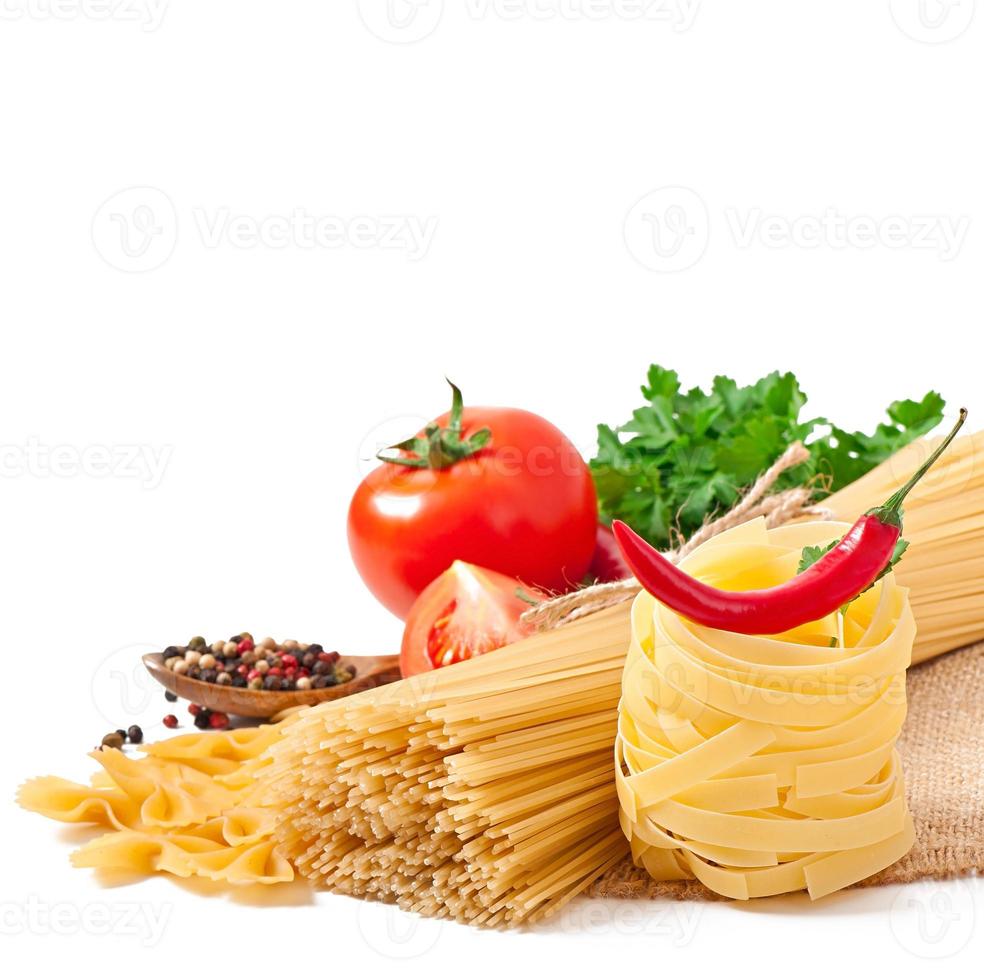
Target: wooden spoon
(369, 672)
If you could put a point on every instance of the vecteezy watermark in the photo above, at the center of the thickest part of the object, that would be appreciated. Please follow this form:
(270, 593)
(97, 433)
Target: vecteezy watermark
(943, 234)
(37, 460)
(401, 21)
(675, 922)
(121, 685)
(409, 21)
(679, 14)
(300, 229)
(933, 919)
(668, 230)
(395, 934)
(34, 916)
(148, 14)
(932, 21)
(136, 229)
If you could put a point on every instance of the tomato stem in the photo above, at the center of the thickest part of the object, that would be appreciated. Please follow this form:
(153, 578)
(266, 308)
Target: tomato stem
(438, 448)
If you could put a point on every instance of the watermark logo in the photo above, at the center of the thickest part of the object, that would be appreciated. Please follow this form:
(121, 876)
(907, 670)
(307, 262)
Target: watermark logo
(136, 229)
(406, 233)
(668, 229)
(673, 922)
(942, 234)
(37, 460)
(932, 21)
(148, 14)
(679, 14)
(140, 920)
(408, 21)
(121, 686)
(394, 934)
(401, 21)
(933, 919)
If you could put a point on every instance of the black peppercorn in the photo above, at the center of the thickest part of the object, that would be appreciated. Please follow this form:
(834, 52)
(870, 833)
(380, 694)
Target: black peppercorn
(315, 648)
(172, 652)
(271, 683)
(135, 734)
(170, 696)
(209, 675)
(238, 681)
(236, 639)
(121, 732)
(202, 718)
(309, 659)
(321, 668)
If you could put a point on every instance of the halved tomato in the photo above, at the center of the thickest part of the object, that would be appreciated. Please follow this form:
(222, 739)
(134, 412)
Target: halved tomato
(465, 612)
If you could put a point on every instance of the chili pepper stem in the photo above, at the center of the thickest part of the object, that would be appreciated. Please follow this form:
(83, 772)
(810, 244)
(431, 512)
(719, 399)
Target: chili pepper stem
(890, 512)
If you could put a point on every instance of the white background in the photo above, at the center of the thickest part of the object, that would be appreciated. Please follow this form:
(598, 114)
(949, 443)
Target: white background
(824, 166)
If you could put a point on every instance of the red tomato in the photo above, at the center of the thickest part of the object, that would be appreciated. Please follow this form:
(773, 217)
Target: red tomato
(511, 494)
(608, 565)
(463, 613)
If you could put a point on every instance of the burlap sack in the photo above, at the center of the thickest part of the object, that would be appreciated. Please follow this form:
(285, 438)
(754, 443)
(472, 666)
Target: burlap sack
(942, 748)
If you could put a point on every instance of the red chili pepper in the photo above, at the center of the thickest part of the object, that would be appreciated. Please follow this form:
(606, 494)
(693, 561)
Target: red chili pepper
(836, 578)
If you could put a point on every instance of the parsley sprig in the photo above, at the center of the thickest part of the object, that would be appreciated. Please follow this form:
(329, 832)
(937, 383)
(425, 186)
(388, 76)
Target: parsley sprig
(685, 456)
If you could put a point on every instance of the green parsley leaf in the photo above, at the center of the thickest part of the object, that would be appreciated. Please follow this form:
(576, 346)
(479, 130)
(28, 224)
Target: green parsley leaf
(686, 455)
(812, 553)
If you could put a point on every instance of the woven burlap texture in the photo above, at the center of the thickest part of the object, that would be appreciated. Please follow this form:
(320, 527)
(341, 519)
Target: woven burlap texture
(942, 749)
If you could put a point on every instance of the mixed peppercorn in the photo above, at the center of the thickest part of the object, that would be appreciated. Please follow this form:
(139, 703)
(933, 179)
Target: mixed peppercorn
(264, 666)
(117, 739)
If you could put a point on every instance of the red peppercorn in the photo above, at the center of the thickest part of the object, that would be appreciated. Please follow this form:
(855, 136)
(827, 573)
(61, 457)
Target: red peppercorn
(244, 645)
(243, 670)
(219, 720)
(304, 672)
(170, 721)
(193, 709)
(253, 674)
(275, 672)
(289, 660)
(327, 658)
(290, 672)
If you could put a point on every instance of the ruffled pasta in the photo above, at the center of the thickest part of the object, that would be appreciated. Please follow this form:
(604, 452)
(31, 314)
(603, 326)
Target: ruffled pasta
(187, 808)
(236, 848)
(762, 765)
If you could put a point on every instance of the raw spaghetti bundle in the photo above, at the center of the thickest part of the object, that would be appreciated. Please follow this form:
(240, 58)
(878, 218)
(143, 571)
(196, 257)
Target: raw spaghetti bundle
(763, 765)
(482, 791)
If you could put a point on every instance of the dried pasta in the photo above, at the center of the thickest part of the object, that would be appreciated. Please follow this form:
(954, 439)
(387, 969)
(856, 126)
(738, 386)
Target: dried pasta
(185, 808)
(431, 792)
(763, 765)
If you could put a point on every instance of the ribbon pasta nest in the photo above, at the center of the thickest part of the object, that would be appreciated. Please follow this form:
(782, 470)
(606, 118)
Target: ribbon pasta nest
(764, 765)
